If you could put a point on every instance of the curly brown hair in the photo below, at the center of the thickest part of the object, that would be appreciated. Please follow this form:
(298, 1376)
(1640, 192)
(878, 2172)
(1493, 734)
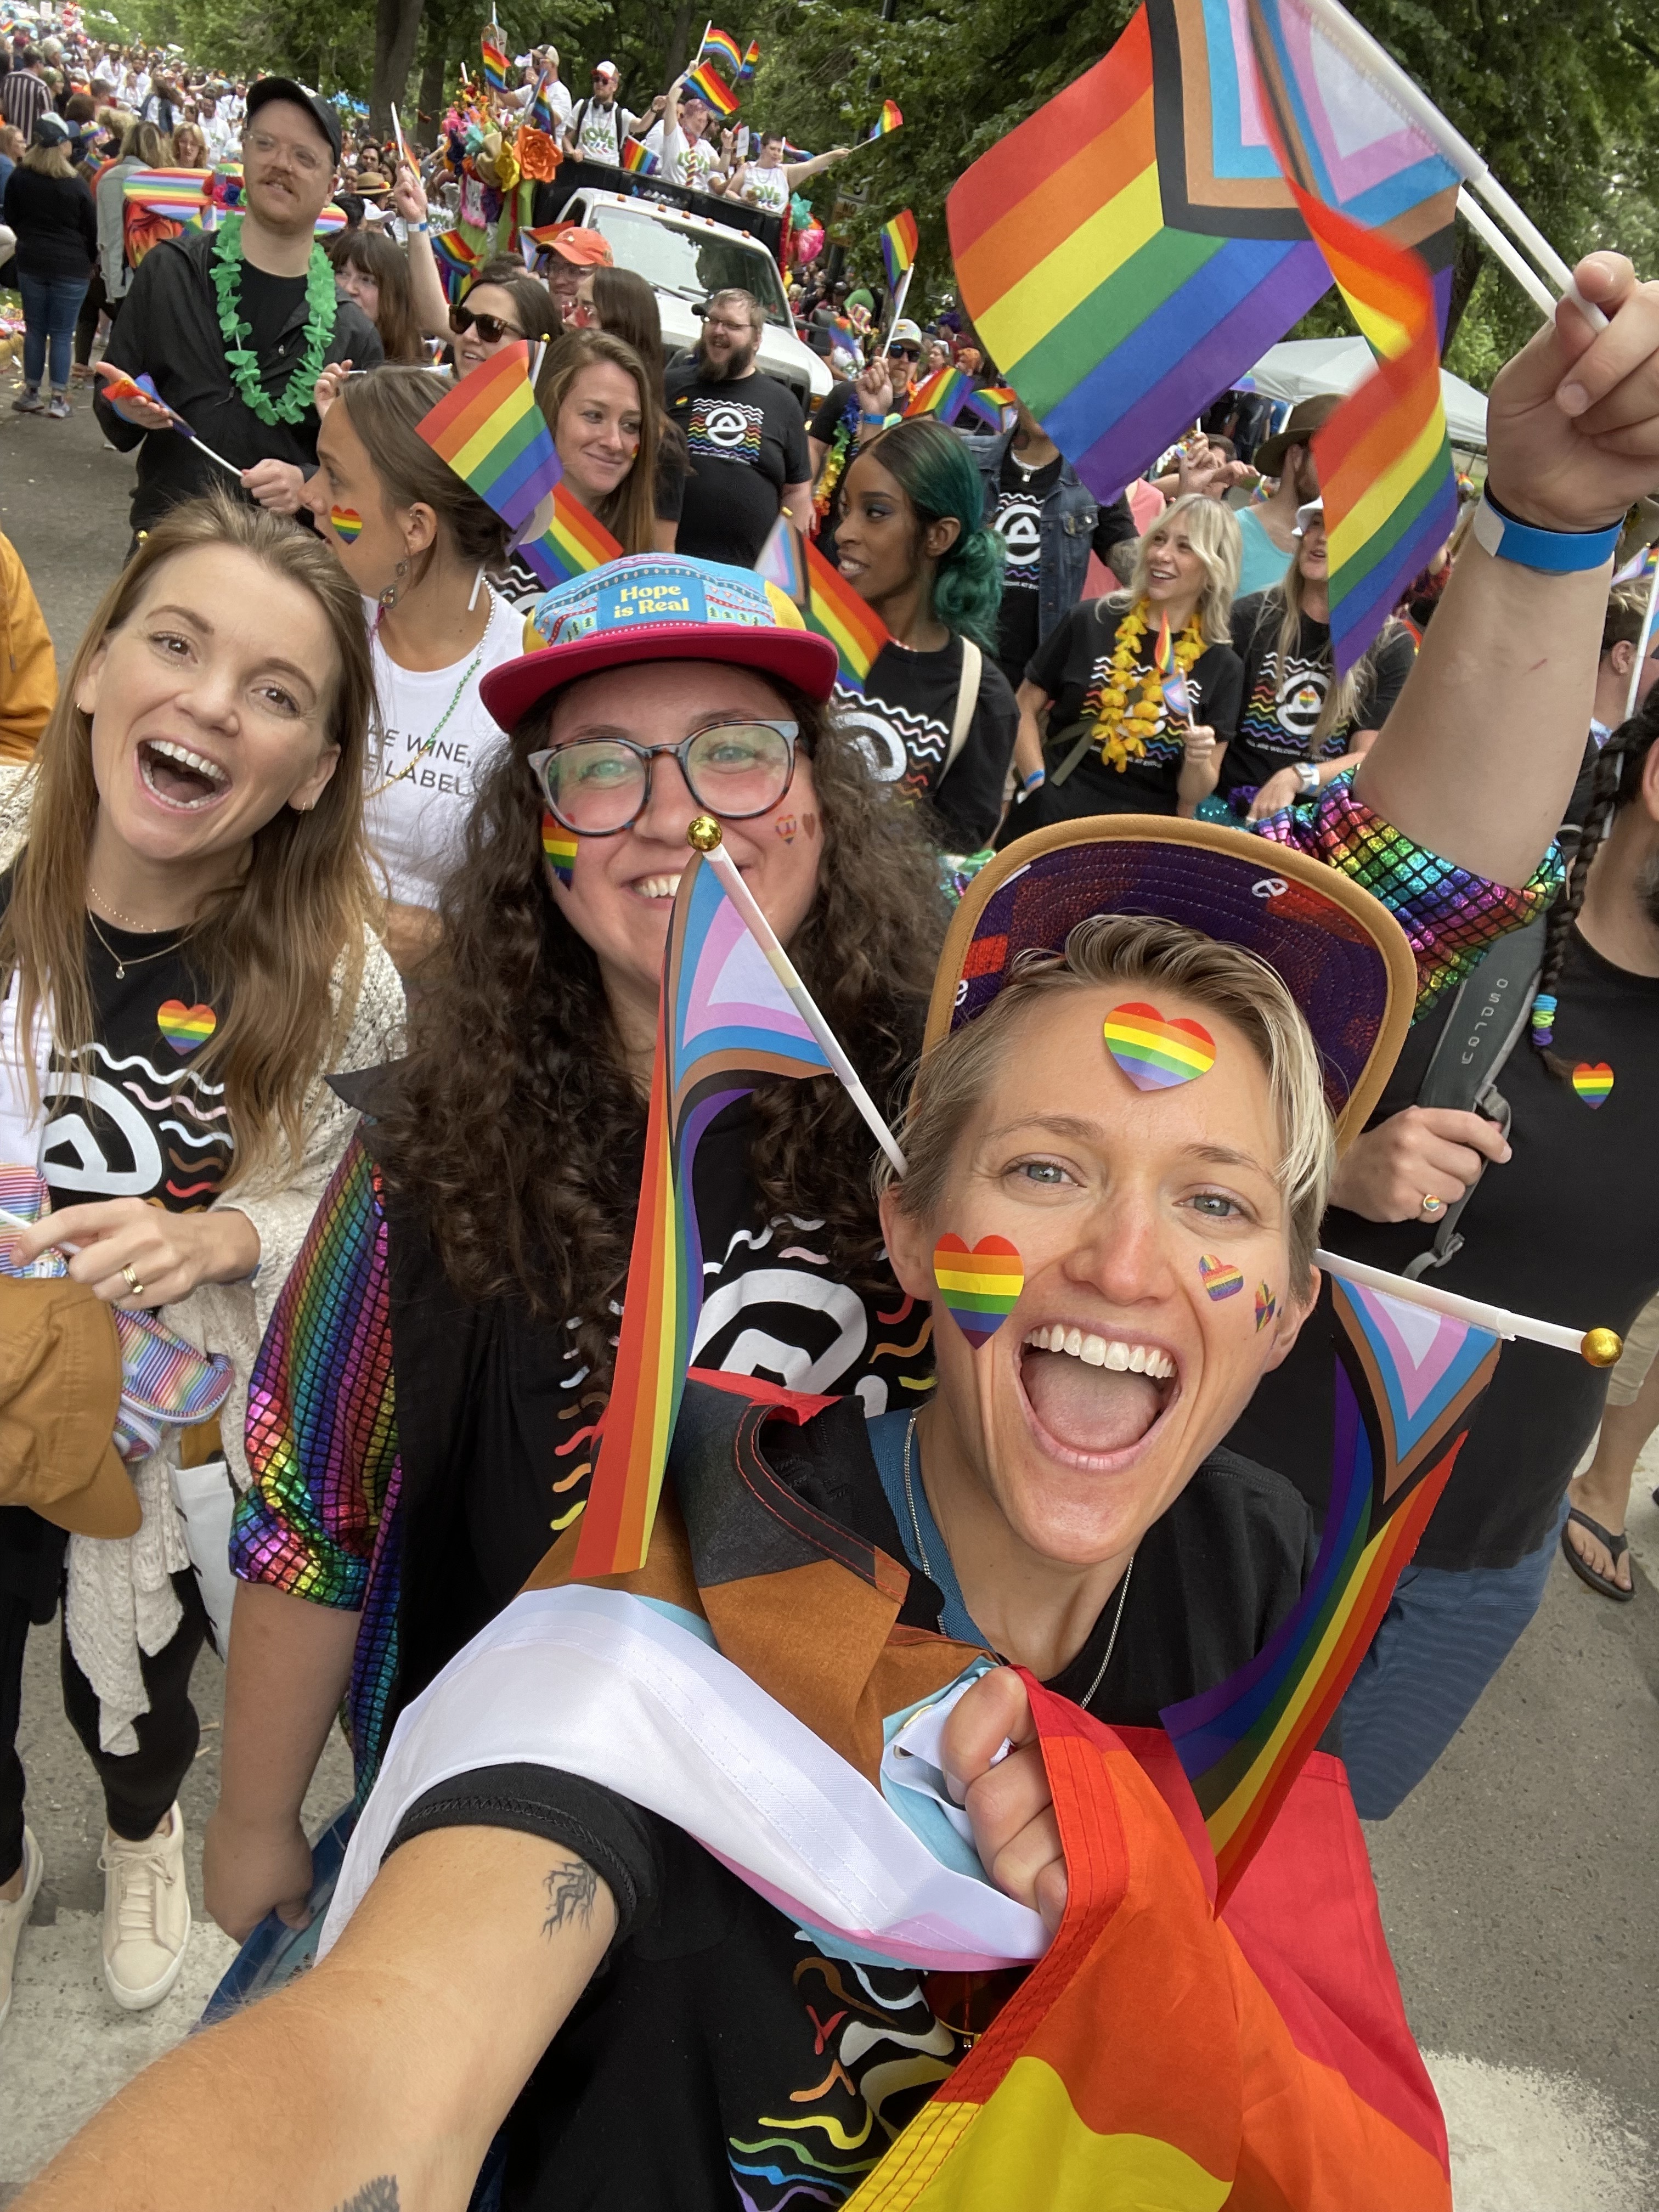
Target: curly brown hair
(515, 1127)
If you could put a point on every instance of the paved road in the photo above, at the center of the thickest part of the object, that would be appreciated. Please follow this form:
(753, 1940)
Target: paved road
(1518, 1884)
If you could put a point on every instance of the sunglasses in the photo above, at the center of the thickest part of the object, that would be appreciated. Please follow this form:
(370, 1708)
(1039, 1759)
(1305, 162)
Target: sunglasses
(598, 787)
(490, 328)
(909, 353)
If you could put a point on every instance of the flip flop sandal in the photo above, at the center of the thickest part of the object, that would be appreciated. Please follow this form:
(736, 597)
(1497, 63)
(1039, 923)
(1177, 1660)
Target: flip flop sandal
(1617, 1546)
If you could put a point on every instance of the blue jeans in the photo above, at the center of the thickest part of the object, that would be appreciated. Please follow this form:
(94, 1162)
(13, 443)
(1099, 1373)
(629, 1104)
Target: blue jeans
(1443, 1639)
(50, 308)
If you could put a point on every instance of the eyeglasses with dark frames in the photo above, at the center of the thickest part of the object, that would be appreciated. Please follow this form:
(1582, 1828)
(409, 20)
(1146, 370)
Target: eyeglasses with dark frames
(599, 786)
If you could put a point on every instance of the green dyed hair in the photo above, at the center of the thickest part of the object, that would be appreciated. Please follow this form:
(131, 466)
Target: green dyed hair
(939, 477)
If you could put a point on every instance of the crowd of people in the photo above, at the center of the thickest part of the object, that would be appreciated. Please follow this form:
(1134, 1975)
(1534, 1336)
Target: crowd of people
(337, 871)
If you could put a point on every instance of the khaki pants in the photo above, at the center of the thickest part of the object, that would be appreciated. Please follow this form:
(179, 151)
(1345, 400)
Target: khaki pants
(1624, 1383)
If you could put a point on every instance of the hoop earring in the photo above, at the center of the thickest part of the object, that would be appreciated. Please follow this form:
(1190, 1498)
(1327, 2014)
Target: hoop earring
(389, 597)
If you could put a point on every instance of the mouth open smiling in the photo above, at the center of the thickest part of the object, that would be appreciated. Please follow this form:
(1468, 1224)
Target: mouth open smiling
(1095, 1401)
(180, 778)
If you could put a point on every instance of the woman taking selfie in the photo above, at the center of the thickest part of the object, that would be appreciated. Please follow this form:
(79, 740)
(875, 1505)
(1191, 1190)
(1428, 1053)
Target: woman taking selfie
(386, 1530)
(416, 541)
(1113, 744)
(184, 863)
(936, 718)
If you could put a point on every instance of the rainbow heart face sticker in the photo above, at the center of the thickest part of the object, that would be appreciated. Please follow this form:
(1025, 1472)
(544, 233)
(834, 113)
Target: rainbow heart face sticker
(185, 1027)
(1593, 1081)
(346, 524)
(980, 1285)
(559, 849)
(1266, 1305)
(1220, 1279)
(1156, 1055)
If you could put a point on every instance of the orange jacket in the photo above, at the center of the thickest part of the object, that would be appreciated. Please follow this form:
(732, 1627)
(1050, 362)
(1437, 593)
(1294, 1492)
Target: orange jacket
(28, 667)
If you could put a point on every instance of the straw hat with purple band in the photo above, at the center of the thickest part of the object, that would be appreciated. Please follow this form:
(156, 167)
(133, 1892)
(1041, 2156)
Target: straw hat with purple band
(657, 606)
(1341, 952)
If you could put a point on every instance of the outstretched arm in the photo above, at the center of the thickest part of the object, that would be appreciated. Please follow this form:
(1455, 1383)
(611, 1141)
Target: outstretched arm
(1478, 759)
(399, 2055)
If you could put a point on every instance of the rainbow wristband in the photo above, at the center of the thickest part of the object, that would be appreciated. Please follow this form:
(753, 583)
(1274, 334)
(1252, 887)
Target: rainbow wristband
(1555, 552)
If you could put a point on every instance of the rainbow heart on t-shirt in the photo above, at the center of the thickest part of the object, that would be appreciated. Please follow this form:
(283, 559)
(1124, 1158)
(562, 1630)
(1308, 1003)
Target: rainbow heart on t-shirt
(1593, 1081)
(185, 1027)
(1156, 1055)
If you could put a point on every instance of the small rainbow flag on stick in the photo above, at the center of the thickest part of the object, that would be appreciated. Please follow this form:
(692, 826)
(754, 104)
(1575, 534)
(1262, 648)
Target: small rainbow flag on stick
(944, 394)
(889, 119)
(497, 68)
(835, 609)
(722, 42)
(1407, 1382)
(751, 60)
(456, 262)
(726, 1025)
(709, 84)
(898, 246)
(573, 543)
(638, 159)
(493, 435)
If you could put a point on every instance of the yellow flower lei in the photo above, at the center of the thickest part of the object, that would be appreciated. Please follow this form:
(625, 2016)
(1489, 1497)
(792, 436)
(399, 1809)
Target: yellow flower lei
(1132, 706)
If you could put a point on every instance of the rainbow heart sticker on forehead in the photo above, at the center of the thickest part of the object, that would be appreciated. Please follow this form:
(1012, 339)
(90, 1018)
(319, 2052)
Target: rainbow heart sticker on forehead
(980, 1285)
(559, 846)
(346, 524)
(1220, 1279)
(1156, 1055)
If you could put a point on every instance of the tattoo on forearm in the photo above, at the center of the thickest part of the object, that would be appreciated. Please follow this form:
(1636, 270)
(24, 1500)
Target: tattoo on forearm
(570, 1891)
(380, 2195)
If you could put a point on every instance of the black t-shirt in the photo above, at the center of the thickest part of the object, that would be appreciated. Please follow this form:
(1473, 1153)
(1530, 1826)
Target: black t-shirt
(904, 722)
(1017, 519)
(1567, 1229)
(747, 442)
(1074, 666)
(1283, 702)
(835, 425)
(269, 302)
(709, 1994)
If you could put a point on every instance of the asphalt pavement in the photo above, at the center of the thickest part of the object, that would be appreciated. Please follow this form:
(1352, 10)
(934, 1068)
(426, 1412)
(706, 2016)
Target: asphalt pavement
(1518, 1883)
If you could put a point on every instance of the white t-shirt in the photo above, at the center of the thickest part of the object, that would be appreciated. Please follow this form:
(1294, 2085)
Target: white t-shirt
(767, 189)
(424, 763)
(688, 162)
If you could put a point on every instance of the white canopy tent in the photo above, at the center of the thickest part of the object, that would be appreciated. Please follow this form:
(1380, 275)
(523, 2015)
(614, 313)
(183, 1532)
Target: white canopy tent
(1302, 367)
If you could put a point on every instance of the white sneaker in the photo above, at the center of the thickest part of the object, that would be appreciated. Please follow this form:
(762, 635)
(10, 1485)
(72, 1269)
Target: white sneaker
(15, 1918)
(146, 1914)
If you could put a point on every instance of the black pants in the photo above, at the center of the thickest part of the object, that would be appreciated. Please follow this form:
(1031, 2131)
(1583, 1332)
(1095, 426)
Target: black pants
(138, 1788)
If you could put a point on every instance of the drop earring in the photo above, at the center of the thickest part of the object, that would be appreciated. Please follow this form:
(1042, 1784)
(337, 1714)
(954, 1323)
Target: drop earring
(389, 597)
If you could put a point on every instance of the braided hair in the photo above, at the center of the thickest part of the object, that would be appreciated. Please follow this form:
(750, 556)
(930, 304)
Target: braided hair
(1616, 781)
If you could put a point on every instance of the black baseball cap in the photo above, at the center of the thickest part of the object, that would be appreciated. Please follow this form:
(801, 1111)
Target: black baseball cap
(285, 88)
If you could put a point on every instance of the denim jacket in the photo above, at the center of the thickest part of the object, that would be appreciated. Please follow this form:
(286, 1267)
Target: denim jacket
(1065, 526)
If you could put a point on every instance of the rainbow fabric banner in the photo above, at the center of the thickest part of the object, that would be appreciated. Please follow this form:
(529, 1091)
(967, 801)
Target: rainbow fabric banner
(851, 624)
(638, 159)
(722, 43)
(889, 119)
(497, 69)
(898, 246)
(1133, 247)
(493, 435)
(175, 192)
(709, 84)
(726, 1025)
(457, 260)
(1407, 1382)
(944, 394)
(573, 543)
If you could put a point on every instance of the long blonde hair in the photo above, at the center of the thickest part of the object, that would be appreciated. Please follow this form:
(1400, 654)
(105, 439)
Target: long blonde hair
(1342, 696)
(1212, 533)
(271, 942)
(629, 513)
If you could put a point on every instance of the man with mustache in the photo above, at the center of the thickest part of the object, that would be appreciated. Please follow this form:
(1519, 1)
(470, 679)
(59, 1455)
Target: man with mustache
(747, 435)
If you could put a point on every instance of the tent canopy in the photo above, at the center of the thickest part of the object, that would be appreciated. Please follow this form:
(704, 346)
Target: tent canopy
(1302, 367)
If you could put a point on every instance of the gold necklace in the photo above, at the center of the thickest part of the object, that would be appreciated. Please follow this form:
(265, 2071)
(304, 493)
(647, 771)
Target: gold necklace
(123, 965)
(114, 911)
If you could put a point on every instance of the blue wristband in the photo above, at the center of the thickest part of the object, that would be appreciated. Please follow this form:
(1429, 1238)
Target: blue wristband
(1556, 552)
(1037, 775)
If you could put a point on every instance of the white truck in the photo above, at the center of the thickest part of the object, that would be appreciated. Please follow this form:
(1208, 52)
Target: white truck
(685, 256)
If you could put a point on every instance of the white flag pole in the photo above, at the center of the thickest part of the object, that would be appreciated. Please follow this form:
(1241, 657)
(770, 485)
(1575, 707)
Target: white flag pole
(1600, 1346)
(900, 294)
(1504, 250)
(1643, 643)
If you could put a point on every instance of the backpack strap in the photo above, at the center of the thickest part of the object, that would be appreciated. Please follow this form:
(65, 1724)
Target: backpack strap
(972, 661)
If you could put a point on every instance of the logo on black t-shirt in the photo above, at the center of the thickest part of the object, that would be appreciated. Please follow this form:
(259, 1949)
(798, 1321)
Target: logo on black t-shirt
(723, 430)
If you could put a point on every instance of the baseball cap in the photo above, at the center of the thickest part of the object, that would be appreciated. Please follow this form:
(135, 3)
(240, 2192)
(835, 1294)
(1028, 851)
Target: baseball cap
(53, 130)
(287, 88)
(1341, 954)
(606, 68)
(655, 606)
(905, 330)
(1305, 417)
(584, 248)
(60, 1391)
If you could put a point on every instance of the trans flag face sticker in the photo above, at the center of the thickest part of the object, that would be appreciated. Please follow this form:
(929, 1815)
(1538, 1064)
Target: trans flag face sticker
(978, 1284)
(1156, 1055)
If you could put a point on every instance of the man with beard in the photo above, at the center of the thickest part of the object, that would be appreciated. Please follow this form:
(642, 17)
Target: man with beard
(233, 326)
(746, 436)
(1269, 529)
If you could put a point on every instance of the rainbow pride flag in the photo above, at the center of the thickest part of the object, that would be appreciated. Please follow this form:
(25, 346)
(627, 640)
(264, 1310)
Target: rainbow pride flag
(331, 221)
(944, 394)
(540, 115)
(573, 543)
(1133, 247)
(174, 193)
(751, 61)
(493, 435)
(994, 404)
(716, 41)
(497, 69)
(709, 84)
(889, 119)
(638, 159)
(1171, 682)
(1407, 1382)
(457, 260)
(835, 609)
(898, 246)
(725, 1026)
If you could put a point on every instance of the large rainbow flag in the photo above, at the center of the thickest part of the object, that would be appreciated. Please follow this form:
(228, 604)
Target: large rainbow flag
(1133, 246)
(574, 542)
(493, 435)
(851, 625)
(725, 1024)
(1407, 1381)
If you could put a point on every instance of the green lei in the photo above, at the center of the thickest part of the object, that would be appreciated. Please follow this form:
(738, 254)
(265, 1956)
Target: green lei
(244, 362)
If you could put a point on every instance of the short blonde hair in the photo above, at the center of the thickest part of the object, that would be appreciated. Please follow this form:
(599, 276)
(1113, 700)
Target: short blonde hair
(1213, 531)
(1134, 952)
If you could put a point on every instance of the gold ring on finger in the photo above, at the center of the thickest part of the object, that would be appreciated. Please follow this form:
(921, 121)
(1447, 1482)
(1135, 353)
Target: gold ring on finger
(132, 1282)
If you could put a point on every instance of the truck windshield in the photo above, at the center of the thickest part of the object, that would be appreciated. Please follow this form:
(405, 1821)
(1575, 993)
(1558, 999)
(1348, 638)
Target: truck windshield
(691, 263)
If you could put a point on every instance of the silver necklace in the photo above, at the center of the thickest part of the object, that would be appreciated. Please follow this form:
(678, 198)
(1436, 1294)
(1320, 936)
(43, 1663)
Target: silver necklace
(122, 964)
(1111, 1641)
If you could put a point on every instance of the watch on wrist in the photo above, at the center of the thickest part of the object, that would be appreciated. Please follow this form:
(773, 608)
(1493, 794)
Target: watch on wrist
(1555, 552)
(1307, 776)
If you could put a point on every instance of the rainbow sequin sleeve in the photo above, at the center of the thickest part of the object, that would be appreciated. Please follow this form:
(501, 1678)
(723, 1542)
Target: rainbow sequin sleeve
(1449, 916)
(322, 1431)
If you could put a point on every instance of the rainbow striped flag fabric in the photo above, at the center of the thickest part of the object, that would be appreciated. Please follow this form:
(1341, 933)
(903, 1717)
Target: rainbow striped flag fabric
(898, 246)
(716, 41)
(944, 394)
(493, 435)
(1133, 247)
(725, 1024)
(497, 69)
(457, 260)
(638, 159)
(835, 609)
(1407, 1382)
(751, 61)
(889, 119)
(573, 543)
(539, 116)
(175, 192)
(709, 84)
